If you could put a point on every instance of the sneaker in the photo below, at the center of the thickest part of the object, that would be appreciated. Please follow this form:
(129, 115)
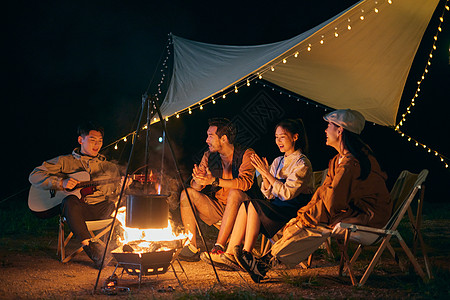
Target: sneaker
(224, 261)
(95, 252)
(215, 252)
(255, 268)
(186, 254)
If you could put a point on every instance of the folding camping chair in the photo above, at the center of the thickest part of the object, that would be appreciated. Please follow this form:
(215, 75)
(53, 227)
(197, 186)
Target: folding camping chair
(100, 227)
(403, 193)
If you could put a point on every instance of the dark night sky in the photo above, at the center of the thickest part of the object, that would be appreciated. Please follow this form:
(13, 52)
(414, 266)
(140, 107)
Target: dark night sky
(65, 61)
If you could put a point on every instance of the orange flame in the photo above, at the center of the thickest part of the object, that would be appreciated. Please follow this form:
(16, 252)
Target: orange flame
(150, 234)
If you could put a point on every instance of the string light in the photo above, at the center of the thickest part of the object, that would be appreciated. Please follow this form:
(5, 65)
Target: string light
(416, 95)
(296, 53)
(284, 60)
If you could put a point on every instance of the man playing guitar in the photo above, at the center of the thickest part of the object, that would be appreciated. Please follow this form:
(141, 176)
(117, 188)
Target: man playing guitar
(59, 175)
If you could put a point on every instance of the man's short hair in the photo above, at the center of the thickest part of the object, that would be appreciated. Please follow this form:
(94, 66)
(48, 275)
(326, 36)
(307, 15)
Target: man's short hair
(85, 127)
(224, 127)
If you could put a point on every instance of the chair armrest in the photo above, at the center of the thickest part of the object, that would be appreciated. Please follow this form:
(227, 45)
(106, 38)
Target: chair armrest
(354, 228)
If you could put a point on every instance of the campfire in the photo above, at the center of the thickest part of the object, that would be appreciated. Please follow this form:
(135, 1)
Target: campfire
(147, 251)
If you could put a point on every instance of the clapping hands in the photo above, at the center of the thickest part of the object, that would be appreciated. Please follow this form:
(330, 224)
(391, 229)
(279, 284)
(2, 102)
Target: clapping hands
(260, 164)
(202, 177)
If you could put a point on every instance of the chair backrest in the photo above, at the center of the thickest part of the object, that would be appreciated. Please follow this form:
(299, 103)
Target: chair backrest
(402, 194)
(319, 178)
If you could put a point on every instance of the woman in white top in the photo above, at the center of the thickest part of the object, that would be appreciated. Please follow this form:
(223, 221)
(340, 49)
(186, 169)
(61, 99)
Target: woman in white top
(287, 184)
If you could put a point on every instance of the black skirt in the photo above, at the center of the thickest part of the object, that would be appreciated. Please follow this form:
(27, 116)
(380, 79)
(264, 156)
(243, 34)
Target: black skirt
(274, 216)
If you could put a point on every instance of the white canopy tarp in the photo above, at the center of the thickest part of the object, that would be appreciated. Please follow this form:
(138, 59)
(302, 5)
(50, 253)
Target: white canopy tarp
(359, 59)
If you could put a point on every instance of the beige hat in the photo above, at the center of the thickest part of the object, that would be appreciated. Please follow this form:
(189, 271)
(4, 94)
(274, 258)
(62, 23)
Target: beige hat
(349, 119)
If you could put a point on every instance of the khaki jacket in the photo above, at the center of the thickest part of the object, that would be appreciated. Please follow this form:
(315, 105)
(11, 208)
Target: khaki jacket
(345, 198)
(49, 175)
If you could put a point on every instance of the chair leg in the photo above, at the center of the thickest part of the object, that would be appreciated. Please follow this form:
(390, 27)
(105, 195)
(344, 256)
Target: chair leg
(411, 257)
(357, 253)
(418, 238)
(328, 247)
(345, 260)
(60, 251)
(375, 259)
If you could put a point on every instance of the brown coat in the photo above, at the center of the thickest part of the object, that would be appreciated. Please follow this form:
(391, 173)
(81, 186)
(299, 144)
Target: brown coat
(345, 198)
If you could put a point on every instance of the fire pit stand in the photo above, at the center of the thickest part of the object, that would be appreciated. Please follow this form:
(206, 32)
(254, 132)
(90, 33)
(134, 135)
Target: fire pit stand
(144, 264)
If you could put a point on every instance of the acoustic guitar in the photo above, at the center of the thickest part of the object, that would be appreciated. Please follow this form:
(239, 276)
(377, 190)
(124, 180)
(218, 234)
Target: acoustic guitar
(40, 200)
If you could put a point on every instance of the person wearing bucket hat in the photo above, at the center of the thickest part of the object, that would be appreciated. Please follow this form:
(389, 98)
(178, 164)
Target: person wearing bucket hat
(354, 191)
(348, 119)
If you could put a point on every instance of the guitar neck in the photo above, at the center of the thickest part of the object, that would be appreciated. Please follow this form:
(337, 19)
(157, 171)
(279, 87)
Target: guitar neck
(85, 184)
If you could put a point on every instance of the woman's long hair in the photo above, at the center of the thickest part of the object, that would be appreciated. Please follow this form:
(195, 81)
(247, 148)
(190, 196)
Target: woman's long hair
(296, 126)
(360, 151)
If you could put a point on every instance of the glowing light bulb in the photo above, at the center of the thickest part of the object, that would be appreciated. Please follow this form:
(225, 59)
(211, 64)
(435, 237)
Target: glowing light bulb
(178, 116)
(441, 19)
(167, 119)
(349, 27)
(201, 107)
(439, 28)
(272, 68)
(361, 17)
(260, 76)
(190, 111)
(115, 147)
(390, 1)
(309, 47)
(223, 96)
(248, 82)
(284, 60)
(155, 119)
(376, 10)
(296, 54)
(235, 89)
(336, 34)
(160, 139)
(321, 42)
(125, 139)
(214, 101)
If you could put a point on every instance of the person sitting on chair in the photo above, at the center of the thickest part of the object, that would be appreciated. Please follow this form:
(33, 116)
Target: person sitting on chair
(227, 170)
(354, 191)
(287, 184)
(58, 174)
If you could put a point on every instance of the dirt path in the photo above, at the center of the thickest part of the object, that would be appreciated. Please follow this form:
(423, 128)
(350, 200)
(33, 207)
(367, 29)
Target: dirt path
(35, 273)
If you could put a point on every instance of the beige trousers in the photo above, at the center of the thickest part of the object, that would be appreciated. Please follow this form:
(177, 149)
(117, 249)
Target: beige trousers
(298, 243)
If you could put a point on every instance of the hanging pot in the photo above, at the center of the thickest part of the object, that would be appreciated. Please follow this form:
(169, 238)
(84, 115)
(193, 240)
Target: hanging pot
(147, 211)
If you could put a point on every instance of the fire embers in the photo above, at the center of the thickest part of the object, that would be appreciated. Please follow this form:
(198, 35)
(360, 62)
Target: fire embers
(150, 246)
(110, 286)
